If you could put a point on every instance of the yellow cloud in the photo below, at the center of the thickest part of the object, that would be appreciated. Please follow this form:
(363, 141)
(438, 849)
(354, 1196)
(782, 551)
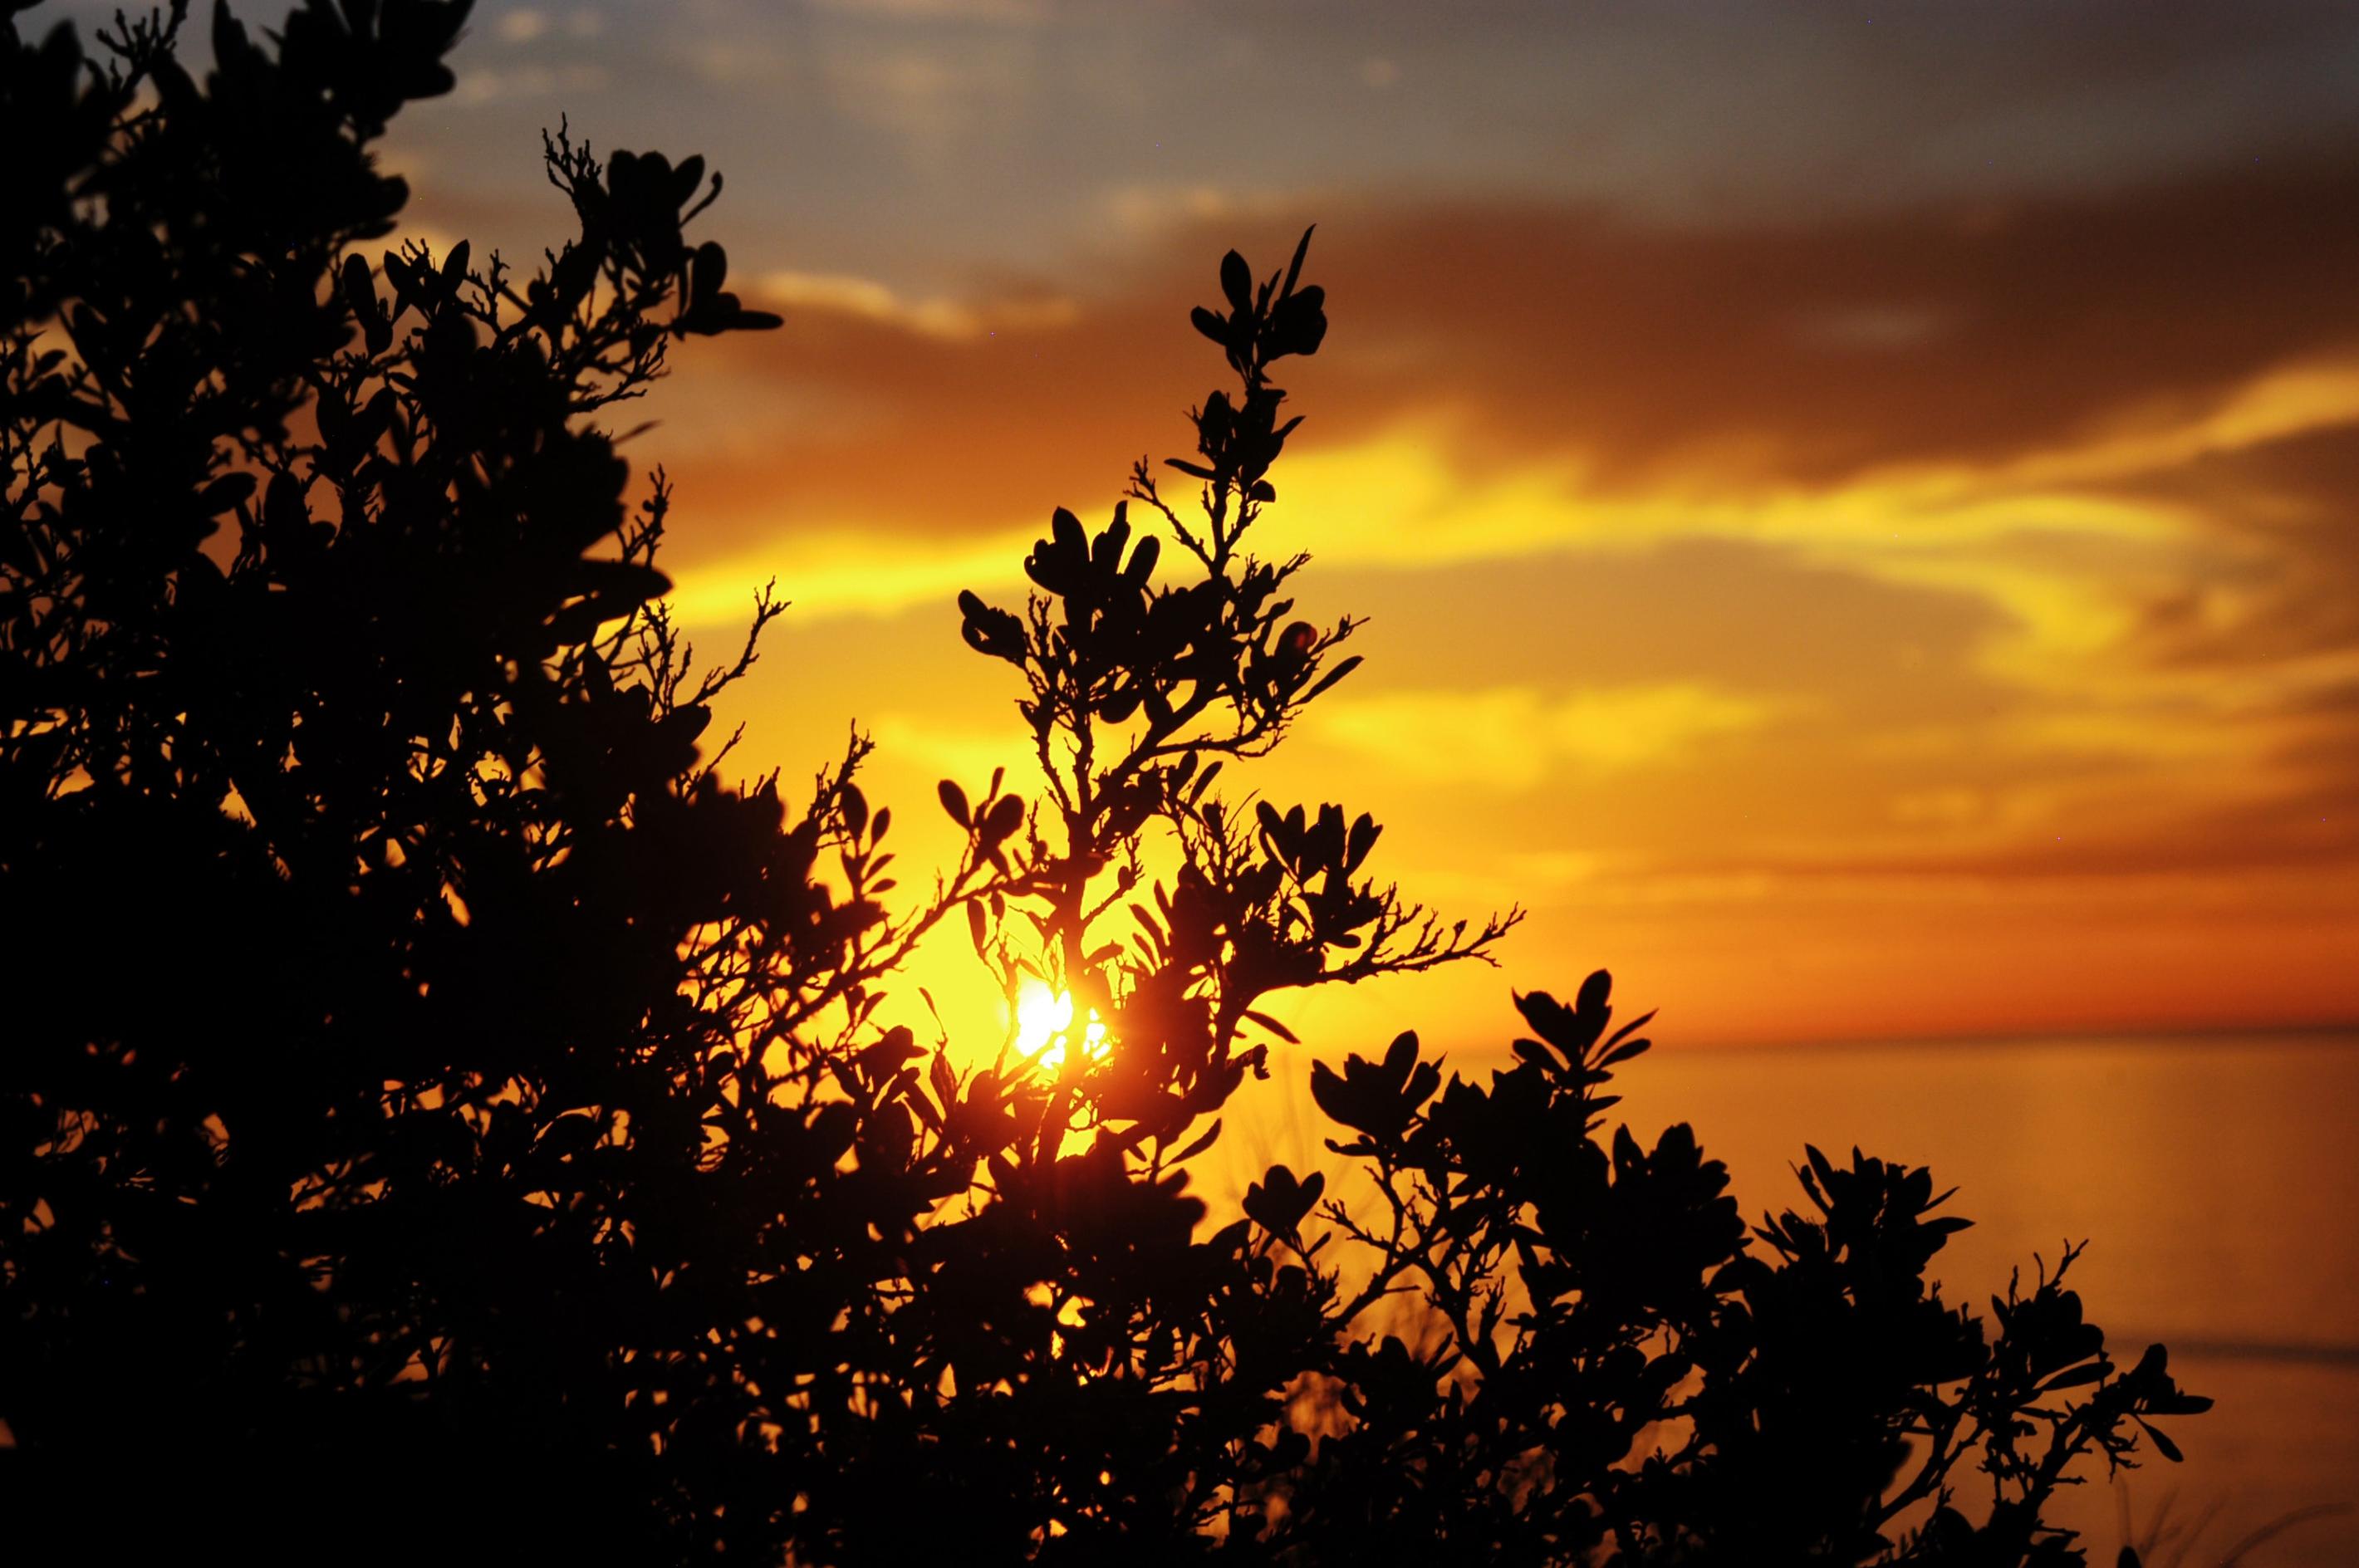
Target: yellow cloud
(843, 572)
(967, 755)
(1400, 503)
(2285, 401)
(868, 299)
(1516, 738)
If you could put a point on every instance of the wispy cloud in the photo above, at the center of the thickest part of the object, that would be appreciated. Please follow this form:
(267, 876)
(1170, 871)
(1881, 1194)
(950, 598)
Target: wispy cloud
(935, 317)
(1518, 738)
(995, 13)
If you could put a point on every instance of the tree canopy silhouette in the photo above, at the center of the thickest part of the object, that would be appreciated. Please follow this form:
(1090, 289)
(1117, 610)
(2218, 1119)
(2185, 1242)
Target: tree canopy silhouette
(441, 1114)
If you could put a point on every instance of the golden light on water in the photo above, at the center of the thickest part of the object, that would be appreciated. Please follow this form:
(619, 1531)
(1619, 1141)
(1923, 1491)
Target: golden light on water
(1044, 1025)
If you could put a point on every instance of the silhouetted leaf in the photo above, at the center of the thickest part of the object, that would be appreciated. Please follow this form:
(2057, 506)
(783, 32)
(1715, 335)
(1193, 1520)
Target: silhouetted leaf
(1342, 668)
(1272, 1025)
(1199, 1145)
(1294, 267)
(1236, 282)
(225, 494)
(1006, 815)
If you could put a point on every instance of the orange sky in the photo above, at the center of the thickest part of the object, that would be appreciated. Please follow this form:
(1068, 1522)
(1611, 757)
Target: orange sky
(1854, 503)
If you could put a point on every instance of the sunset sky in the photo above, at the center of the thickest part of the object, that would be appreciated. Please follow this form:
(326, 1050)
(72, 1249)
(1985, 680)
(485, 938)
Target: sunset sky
(1854, 502)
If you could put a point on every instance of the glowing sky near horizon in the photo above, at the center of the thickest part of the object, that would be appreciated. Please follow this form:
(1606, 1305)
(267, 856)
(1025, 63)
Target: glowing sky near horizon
(1855, 501)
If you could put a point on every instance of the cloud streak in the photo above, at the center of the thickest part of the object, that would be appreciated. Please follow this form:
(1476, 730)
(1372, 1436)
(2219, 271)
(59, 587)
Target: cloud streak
(1516, 738)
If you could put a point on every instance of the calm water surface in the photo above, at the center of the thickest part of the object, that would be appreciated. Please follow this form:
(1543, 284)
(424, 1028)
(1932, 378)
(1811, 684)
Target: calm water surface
(2216, 1179)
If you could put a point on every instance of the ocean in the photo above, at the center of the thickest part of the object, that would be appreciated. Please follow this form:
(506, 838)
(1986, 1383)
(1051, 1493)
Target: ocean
(2216, 1181)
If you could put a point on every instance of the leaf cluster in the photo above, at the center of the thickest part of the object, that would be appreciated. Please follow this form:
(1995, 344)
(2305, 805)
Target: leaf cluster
(430, 1084)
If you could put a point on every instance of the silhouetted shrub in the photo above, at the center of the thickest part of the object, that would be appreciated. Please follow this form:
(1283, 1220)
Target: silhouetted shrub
(440, 1116)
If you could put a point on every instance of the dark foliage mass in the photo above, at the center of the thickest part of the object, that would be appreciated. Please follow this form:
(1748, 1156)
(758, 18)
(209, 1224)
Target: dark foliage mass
(439, 1117)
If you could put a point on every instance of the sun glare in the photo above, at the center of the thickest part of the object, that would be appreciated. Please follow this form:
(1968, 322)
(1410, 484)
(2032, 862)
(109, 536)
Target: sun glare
(1044, 1025)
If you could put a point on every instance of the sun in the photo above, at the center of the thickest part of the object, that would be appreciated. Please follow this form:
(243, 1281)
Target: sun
(1044, 1025)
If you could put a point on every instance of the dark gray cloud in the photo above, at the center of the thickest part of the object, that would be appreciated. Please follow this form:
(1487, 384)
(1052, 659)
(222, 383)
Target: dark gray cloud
(920, 142)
